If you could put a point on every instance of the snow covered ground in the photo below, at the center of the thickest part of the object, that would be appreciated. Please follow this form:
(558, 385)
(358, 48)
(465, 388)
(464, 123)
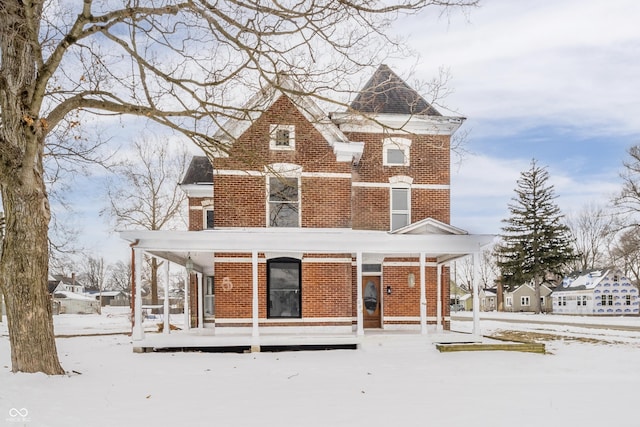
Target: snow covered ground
(393, 379)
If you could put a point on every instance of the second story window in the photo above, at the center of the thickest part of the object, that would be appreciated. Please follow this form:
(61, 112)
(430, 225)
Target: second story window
(284, 202)
(282, 137)
(396, 151)
(400, 207)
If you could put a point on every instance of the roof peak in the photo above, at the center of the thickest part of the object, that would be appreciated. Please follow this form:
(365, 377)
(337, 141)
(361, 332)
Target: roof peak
(387, 93)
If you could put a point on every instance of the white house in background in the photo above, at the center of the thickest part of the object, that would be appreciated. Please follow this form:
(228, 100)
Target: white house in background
(599, 292)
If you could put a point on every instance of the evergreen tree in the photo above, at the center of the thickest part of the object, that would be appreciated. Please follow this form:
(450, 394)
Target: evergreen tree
(534, 241)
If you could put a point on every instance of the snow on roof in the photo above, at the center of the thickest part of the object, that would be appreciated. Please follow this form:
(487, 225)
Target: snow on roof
(588, 280)
(72, 295)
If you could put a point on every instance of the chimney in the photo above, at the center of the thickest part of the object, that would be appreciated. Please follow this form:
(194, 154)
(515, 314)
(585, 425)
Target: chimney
(73, 278)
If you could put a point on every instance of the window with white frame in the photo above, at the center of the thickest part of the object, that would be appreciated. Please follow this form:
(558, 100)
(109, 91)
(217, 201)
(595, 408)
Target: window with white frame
(627, 300)
(525, 301)
(607, 299)
(282, 137)
(207, 217)
(581, 300)
(395, 151)
(209, 297)
(284, 201)
(562, 300)
(400, 207)
(509, 301)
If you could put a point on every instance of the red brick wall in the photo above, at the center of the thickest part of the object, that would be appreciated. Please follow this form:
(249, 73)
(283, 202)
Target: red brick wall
(329, 289)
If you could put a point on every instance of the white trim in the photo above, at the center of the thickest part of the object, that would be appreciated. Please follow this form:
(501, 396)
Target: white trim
(413, 186)
(317, 240)
(408, 264)
(407, 318)
(406, 212)
(310, 260)
(248, 320)
(400, 144)
(402, 124)
(197, 190)
(326, 175)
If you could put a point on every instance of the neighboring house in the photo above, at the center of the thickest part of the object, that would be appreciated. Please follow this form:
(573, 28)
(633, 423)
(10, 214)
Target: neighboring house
(74, 303)
(488, 299)
(467, 302)
(111, 298)
(598, 292)
(311, 222)
(521, 299)
(58, 282)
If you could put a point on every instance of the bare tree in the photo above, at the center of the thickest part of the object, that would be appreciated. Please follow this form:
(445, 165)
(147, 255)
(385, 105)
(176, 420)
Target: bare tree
(94, 274)
(625, 253)
(145, 194)
(592, 227)
(119, 277)
(184, 65)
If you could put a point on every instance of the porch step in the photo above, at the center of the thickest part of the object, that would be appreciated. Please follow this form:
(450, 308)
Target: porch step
(503, 346)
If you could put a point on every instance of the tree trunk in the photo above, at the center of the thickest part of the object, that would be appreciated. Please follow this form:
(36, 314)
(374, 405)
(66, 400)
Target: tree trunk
(536, 296)
(25, 248)
(24, 270)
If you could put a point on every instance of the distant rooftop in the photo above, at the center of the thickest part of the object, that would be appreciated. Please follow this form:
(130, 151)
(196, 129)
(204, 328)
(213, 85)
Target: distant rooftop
(386, 93)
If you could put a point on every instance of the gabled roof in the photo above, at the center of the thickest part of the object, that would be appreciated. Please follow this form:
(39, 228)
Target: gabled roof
(584, 279)
(429, 226)
(386, 93)
(264, 99)
(199, 171)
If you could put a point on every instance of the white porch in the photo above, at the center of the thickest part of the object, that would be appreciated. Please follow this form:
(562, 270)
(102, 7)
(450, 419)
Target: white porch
(195, 249)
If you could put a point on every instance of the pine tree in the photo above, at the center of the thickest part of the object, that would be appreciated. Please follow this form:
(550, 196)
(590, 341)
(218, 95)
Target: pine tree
(534, 241)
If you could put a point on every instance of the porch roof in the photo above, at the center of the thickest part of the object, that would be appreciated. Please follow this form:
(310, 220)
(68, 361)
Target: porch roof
(177, 246)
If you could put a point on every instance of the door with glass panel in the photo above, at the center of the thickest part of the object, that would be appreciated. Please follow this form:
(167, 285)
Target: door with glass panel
(371, 314)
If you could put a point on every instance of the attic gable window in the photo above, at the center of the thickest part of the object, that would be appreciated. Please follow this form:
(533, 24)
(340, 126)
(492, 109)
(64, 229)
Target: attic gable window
(395, 151)
(282, 137)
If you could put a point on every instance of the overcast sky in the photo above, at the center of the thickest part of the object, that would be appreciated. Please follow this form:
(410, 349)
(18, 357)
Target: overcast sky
(554, 80)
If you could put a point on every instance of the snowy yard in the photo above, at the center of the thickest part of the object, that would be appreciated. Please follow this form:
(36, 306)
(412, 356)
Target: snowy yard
(392, 380)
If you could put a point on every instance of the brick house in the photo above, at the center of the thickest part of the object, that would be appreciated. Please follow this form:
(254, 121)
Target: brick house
(309, 223)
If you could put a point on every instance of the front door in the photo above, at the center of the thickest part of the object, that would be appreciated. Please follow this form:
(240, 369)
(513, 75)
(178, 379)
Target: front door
(371, 307)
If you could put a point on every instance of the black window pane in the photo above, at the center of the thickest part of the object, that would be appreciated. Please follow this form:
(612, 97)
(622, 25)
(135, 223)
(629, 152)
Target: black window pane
(284, 289)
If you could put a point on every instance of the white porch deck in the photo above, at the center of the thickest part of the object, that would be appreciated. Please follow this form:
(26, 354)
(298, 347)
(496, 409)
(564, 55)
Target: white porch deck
(207, 339)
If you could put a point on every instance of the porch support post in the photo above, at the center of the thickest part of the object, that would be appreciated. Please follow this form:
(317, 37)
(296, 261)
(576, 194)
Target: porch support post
(199, 278)
(476, 298)
(439, 319)
(166, 311)
(138, 331)
(187, 316)
(423, 294)
(359, 319)
(255, 333)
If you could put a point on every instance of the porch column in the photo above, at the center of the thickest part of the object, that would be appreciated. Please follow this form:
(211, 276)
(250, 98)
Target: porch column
(187, 317)
(423, 294)
(476, 299)
(167, 308)
(439, 320)
(254, 304)
(138, 331)
(359, 319)
(199, 278)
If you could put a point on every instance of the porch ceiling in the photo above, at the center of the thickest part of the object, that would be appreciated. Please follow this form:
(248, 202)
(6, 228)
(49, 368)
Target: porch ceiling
(176, 246)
